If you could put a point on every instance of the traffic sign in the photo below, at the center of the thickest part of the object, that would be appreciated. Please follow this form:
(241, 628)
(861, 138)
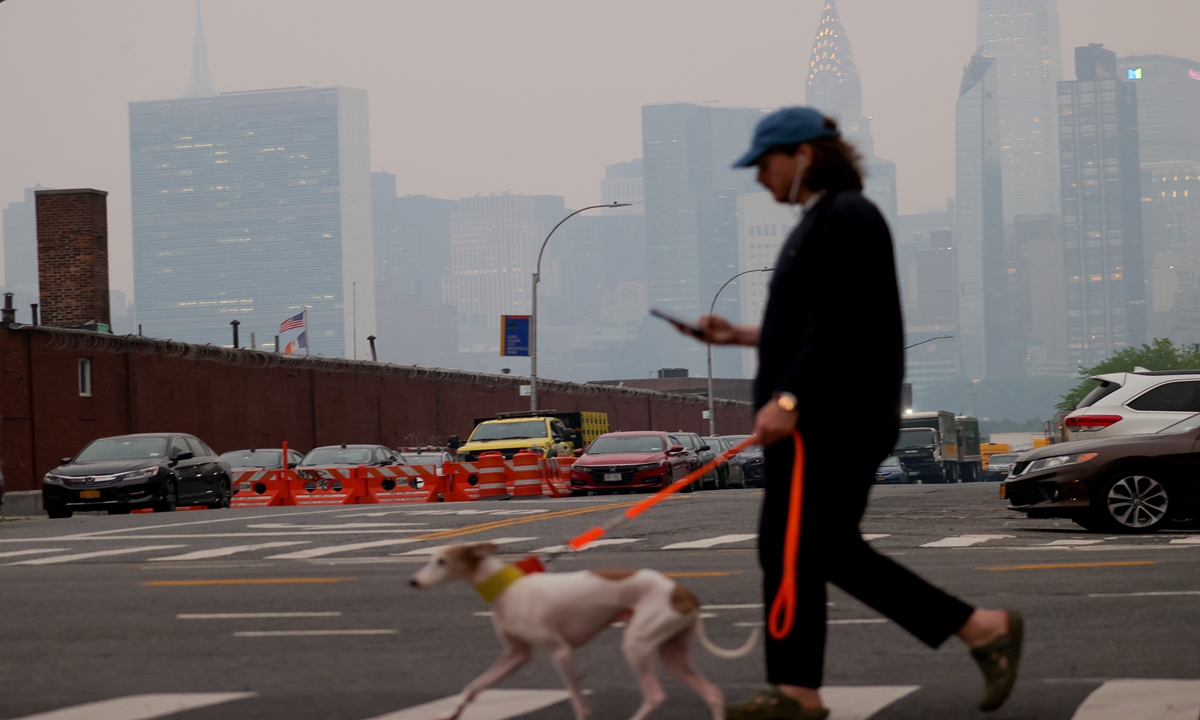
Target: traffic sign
(514, 336)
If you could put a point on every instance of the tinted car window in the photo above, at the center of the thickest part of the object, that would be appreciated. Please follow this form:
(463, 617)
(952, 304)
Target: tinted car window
(196, 447)
(124, 449)
(1171, 397)
(686, 442)
(337, 456)
(626, 443)
(256, 459)
(1104, 389)
(178, 445)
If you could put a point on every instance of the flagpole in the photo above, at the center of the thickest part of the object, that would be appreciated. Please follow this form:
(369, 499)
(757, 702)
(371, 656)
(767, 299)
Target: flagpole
(307, 337)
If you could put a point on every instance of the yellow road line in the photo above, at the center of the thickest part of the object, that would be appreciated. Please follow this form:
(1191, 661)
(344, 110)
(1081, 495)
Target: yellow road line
(1063, 566)
(252, 581)
(701, 574)
(498, 524)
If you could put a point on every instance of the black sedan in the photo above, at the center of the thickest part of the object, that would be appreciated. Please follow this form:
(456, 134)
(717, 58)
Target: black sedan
(753, 467)
(117, 474)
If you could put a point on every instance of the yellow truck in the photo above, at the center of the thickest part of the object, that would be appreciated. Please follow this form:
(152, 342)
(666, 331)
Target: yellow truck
(987, 450)
(547, 433)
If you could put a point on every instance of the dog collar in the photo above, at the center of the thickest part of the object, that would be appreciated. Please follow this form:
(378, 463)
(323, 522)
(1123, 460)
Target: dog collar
(491, 588)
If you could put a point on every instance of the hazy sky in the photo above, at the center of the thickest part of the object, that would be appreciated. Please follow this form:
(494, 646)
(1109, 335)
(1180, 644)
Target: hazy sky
(481, 96)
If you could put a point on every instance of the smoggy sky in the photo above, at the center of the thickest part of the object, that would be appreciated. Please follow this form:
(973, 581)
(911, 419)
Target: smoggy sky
(482, 96)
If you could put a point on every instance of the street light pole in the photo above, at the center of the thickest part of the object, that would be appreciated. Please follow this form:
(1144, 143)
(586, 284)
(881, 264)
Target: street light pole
(537, 276)
(712, 420)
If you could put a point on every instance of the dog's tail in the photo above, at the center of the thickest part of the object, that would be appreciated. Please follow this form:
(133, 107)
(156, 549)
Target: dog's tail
(721, 652)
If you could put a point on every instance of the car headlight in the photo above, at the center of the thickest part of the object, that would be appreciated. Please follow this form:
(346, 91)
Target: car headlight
(52, 480)
(141, 474)
(1059, 461)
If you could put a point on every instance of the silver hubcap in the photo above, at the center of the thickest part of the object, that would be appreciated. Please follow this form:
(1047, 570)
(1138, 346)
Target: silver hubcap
(1137, 501)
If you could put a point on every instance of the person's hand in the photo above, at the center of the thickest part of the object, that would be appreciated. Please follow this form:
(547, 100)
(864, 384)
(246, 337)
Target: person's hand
(719, 331)
(773, 423)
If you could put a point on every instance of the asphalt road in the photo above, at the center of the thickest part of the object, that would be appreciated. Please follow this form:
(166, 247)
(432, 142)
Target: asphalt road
(306, 613)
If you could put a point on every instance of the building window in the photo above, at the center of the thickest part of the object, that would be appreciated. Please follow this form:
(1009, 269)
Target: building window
(85, 377)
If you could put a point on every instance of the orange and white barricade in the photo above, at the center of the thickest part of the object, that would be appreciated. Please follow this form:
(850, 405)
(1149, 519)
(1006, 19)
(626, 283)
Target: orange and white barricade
(260, 488)
(462, 481)
(328, 486)
(526, 475)
(490, 476)
(556, 476)
(404, 484)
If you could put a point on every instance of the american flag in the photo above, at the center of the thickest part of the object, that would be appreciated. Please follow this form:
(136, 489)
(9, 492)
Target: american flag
(296, 321)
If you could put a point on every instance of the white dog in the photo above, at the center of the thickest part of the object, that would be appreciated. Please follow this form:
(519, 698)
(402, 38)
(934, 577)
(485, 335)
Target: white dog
(561, 611)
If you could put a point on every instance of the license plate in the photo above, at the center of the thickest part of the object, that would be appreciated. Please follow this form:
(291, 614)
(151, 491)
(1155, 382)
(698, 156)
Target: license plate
(612, 477)
(89, 494)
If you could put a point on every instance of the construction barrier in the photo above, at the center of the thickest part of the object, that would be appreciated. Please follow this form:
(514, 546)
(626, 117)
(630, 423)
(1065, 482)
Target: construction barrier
(404, 484)
(526, 474)
(260, 488)
(328, 486)
(556, 476)
(491, 476)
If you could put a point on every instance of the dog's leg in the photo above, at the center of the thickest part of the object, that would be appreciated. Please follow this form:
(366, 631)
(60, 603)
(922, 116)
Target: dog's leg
(674, 654)
(640, 655)
(564, 661)
(516, 654)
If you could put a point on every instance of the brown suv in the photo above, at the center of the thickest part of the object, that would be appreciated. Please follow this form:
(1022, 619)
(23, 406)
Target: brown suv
(1133, 484)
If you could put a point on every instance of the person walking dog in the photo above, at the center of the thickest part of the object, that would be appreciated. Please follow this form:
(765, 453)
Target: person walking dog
(831, 362)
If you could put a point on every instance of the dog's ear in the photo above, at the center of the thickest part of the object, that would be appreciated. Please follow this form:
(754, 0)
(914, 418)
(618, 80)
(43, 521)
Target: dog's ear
(481, 550)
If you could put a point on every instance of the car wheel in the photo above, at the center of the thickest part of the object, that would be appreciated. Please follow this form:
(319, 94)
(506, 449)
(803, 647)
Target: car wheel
(224, 497)
(170, 502)
(723, 480)
(59, 513)
(1132, 501)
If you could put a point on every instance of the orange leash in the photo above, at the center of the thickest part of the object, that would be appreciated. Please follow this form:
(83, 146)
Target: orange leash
(783, 609)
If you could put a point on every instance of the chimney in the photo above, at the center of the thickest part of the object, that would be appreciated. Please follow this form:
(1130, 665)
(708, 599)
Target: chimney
(72, 235)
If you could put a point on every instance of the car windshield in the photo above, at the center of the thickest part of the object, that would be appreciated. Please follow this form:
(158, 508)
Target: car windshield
(610, 444)
(890, 463)
(915, 438)
(1185, 425)
(510, 431)
(422, 458)
(124, 448)
(1002, 459)
(735, 439)
(337, 456)
(253, 458)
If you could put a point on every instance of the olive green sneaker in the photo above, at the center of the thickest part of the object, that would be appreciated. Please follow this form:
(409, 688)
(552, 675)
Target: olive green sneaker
(999, 660)
(773, 705)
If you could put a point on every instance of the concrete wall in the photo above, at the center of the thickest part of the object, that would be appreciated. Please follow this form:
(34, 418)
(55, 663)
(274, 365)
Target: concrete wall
(239, 398)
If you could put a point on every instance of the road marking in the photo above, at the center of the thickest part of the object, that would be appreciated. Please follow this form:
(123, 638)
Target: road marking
(963, 541)
(1071, 543)
(139, 707)
(490, 705)
(1162, 593)
(875, 536)
(1190, 540)
(159, 526)
(465, 511)
(254, 616)
(333, 549)
(709, 542)
(1142, 700)
(747, 606)
(1064, 566)
(497, 524)
(310, 633)
(592, 544)
(701, 574)
(860, 703)
(496, 541)
(94, 554)
(226, 551)
(252, 581)
(19, 553)
(340, 526)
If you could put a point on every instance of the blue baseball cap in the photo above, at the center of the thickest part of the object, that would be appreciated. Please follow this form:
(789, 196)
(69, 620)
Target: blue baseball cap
(786, 126)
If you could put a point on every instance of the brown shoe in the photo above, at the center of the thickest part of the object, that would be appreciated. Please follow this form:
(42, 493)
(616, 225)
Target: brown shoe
(773, 705)
(999, 660)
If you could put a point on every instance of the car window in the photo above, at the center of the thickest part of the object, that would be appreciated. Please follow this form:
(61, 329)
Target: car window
(686, 442)
(1104, 389)
(1002, 459)
(609, 444)
(266, 459)
(295, 456)
(558, 428)
(337, 456)
(124, 448)
(197, 447)
(1170, 397)
(890, 462)
(179, 446)
(524, 430)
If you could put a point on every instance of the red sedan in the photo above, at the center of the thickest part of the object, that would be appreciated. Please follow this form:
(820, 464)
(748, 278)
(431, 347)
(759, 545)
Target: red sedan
(630, 461)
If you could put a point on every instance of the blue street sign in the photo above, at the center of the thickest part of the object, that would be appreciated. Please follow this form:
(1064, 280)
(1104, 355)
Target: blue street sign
(514, 336)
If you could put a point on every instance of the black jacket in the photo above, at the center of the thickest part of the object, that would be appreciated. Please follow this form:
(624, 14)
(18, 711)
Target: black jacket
(832, 333)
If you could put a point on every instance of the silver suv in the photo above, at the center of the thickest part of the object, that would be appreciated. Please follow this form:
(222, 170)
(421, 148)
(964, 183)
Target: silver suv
(1133, 403)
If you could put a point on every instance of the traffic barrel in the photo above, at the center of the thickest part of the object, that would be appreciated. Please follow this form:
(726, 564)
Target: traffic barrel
(491, 475)
(527, 474)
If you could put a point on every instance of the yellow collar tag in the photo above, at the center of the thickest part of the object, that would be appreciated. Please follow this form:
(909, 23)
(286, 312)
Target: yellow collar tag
(491, 588)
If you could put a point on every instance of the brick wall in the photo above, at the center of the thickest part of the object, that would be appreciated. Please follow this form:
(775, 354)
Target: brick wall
(72, 235)
(235, 399)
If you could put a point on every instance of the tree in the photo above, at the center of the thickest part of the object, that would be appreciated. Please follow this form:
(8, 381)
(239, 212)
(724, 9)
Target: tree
(1160, 354)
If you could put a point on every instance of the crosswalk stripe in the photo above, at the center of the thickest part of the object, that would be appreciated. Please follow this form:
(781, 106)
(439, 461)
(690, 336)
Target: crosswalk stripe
(1189, 540)
(875, 536)
(1071, 543)
(139, 707)
(709, 542)
(19, 553)
(94, 554)
(494, 541)
(490, 705)
(963, 541)
(593, 544)
(1142, 700)
(308, 633)
(227, 551)
(1146, 593)
(334, 549)
(860, 703)
(255, 616)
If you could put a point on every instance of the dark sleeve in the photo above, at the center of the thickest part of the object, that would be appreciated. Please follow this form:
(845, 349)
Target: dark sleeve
(852, 316)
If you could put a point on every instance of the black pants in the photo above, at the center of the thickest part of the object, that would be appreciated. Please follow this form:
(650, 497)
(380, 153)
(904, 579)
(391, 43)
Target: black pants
(836, 486)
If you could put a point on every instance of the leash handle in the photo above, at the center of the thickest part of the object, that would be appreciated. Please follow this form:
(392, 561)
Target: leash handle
(783, 609)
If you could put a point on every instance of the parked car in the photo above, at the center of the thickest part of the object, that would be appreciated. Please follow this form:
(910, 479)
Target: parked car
(261, 459)
(1133, 484)
(753, 466)
(350, 456)
(160, 471)
(890, 471)
(1133, 403)
(426, 456)
(729, 472)
(704, 454)
(624, 461)
(999, 466)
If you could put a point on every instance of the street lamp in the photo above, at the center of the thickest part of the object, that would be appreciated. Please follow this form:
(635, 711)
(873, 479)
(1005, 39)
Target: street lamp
(537, 276)
(712, 420)
(939, 337)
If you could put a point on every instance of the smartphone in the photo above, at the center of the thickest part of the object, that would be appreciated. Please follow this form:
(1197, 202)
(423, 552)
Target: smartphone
(678, 321)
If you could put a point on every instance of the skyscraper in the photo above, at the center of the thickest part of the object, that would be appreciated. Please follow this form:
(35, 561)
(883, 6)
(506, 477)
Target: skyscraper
(201, 84)
(1168, 92)
(834, 88)
(979, 224)
(1022, 36)
(20, 248)
(1101, 209)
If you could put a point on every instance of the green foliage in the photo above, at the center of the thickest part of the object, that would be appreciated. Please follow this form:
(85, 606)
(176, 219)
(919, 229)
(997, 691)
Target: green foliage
(1161, 354)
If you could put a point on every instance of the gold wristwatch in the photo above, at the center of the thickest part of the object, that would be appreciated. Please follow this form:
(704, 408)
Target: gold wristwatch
(787, 401)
